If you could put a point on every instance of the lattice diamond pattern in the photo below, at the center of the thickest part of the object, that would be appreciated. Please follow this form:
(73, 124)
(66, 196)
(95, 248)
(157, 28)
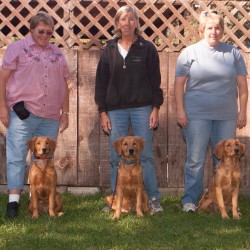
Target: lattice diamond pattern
(83, 24)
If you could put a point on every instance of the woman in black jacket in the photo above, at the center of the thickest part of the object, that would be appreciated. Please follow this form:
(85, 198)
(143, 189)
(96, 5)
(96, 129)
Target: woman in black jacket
(128, 93)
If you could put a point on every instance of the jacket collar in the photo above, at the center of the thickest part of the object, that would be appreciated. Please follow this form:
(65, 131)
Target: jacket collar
(140, 42)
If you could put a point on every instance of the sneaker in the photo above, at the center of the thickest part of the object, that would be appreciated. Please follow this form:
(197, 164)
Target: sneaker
(155, 206)
(106, 209)
(189, 207)
(12, 210)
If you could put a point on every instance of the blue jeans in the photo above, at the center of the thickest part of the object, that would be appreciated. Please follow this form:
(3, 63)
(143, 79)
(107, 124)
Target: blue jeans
(18, 133)
(197, 134)
(138, 118)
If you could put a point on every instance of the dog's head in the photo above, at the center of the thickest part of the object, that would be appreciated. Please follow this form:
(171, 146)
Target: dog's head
(42, 147)
(129, 147)
(229, 148)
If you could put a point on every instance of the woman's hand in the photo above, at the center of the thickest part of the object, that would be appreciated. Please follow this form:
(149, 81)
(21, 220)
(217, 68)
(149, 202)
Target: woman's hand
(181, 118)
(4, 116)
(106, 124)
(154, 118)
(241, 120)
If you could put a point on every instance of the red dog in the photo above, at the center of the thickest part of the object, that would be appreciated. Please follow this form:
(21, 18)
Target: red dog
(223, 190)
(43, 178)
(130, 192)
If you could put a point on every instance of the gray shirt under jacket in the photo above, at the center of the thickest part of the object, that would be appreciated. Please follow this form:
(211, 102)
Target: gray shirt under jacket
(211, 90)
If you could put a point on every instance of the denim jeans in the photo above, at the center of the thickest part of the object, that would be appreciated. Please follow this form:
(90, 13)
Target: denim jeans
(197, 134)
(18, 133)
(138, 118)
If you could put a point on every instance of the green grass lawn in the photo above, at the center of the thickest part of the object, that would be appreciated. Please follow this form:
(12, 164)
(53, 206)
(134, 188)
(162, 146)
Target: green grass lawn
(84, 226)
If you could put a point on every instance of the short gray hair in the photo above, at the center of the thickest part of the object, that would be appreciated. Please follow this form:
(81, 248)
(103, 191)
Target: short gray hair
(41, 17)
(126, 9)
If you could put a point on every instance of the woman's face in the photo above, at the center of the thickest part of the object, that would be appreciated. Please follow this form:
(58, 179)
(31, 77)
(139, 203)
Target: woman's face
(41, 34)
(127, 24)
(212, 33)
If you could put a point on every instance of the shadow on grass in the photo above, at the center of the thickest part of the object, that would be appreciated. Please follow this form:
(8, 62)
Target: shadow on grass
(84, 226)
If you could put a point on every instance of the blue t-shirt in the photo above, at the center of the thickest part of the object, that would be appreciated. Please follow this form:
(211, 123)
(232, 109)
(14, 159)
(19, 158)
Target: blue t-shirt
(211, 89)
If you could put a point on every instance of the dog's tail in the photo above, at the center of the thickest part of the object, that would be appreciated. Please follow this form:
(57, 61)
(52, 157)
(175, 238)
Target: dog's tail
(203, 197)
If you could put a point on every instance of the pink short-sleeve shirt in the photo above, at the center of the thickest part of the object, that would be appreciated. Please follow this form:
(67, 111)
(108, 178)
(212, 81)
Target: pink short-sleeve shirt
(37, 78)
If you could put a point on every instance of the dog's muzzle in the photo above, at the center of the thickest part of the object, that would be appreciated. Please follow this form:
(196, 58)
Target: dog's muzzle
(131, 151)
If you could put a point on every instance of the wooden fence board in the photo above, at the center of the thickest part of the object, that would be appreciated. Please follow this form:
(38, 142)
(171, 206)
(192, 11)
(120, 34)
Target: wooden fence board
(88, 120)
(160, 142)
(66, 150)
(82, 155)
(2, 142)
(104, 169)
(244, 136)
(176, 146)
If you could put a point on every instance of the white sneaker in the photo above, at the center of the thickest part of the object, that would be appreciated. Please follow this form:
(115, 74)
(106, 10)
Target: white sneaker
(155, 206)
(189, 207)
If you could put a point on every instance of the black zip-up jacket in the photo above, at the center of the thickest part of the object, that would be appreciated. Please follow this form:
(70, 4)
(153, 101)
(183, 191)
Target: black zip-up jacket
(130, 83)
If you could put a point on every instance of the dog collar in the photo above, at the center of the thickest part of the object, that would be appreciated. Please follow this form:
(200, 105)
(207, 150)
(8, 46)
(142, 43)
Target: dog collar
(42, 158)
(124, 161)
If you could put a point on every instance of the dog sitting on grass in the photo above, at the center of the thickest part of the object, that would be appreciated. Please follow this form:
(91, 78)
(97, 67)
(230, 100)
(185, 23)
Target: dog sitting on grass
(43, 178)
(130, 195)
(223, 190)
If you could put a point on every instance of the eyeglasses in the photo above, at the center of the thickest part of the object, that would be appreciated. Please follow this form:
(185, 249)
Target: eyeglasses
(204, 13)
(47, 32)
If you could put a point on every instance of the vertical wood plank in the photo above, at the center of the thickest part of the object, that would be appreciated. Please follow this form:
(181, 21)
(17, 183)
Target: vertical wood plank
(160, 142)
(243, 136)
(2, 140)
(176, 145)
(88, 120)
(66, 150)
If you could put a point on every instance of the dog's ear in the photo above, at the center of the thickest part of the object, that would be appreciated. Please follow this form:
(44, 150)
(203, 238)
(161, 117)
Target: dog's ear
(140, 143)
(31, 144)
(219, 149)
(242, 148)
(52, 144)
(118, 146)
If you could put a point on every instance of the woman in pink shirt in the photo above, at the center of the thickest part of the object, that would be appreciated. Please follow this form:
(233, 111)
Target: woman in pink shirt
(34, 98)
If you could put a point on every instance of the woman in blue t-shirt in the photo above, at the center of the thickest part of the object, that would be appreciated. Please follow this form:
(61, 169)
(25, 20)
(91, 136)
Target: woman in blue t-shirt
(210, 76)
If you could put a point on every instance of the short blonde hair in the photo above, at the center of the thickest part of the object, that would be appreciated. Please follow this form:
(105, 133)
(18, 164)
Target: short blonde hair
(209, 15)
(41, 17)
(126, 9)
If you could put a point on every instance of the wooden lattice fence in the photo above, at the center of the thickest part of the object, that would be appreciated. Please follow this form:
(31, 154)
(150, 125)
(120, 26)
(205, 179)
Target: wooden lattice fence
(86, 24)
(82, 27)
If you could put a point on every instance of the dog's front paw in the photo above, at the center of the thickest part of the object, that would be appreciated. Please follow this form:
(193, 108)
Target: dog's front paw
(139, 214)
(35, 215)
(225, 217)
(60, 214)
(236, 216)
(115, 218)
(51, 213)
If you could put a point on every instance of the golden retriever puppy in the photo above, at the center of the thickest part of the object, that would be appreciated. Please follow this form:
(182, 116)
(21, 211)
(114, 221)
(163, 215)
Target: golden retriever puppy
(43, 178)
(130, 194)
(223, 190)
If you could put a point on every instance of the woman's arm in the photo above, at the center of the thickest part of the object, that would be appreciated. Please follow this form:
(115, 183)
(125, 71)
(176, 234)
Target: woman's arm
(179, 100)
(4, 114)
(243, 98)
